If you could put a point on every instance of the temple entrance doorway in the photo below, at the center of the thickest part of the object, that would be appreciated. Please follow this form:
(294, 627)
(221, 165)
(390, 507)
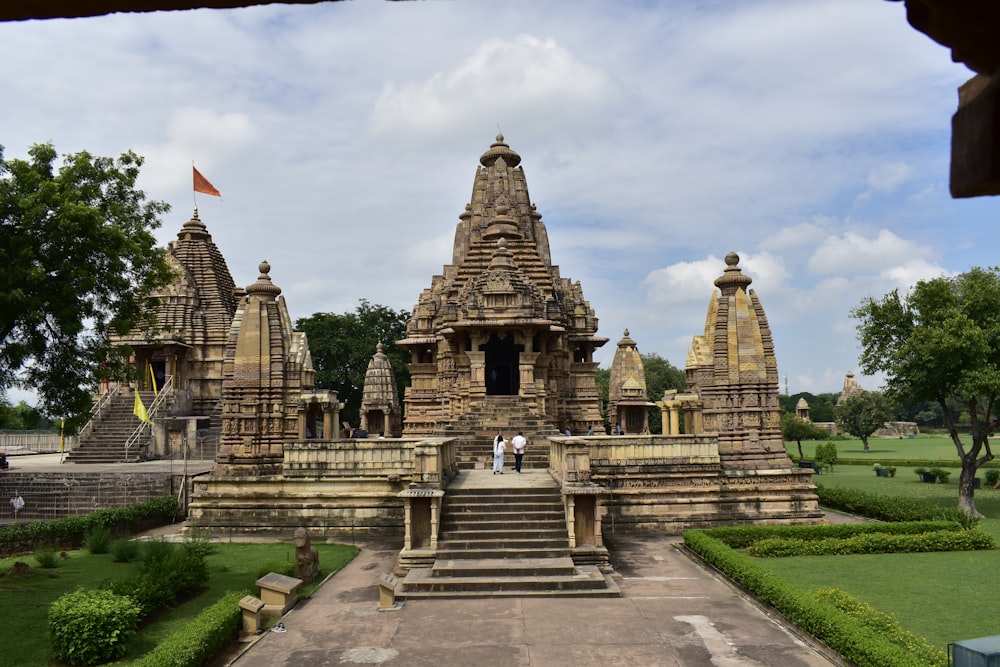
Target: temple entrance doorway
(503, 374)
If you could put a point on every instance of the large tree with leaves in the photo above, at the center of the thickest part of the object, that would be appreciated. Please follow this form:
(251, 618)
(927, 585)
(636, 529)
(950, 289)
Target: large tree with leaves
(941, 343)
(863, 414)
(78, 260)
(798, 429)
(660, 376)
(342, 345)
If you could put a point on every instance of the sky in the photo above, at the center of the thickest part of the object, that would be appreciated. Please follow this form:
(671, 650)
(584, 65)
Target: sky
(811, 138)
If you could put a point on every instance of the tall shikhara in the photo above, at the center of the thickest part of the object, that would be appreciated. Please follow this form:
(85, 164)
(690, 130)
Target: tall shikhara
(500, 321)
(732, 369)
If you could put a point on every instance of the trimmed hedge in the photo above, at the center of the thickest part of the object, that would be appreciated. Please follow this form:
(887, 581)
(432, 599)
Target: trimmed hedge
(853, 640)
(889, 508)
(88, 627)
(201, 639)
(885, 624)
(741, 537)
(875, 543)
(68, 532)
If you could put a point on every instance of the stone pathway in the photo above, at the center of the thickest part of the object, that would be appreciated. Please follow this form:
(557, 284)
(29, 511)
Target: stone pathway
(673, 612)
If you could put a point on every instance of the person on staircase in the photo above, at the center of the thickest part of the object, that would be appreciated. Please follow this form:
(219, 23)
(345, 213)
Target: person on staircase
(519, 443)
(499, 447)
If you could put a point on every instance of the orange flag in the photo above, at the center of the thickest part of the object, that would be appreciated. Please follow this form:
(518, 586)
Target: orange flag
(201, 184)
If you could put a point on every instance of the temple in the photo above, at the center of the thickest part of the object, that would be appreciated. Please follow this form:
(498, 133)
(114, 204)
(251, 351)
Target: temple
(380, 411)
(628, 405)
(500, 321)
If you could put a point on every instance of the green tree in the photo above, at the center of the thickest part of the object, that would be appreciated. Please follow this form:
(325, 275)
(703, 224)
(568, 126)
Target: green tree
(797, 429)
(79, 261)
(661, 375)
(603, 379)
(826, 454)
(941, 343)
(342, 345)
(863, 414)
(21, 417)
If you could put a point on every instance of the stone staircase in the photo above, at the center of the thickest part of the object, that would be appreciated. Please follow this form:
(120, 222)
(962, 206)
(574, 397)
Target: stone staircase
(499, 540)
(105, 442)
(475, 430)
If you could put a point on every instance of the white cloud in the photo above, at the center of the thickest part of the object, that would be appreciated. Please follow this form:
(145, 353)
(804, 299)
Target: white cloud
(854, 252)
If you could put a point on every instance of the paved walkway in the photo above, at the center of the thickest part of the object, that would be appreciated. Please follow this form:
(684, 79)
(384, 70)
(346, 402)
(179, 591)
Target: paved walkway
(673, 612)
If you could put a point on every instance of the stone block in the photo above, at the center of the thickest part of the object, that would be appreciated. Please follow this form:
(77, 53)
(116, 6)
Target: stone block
(251, 608)
(387, 592)
(279, 593)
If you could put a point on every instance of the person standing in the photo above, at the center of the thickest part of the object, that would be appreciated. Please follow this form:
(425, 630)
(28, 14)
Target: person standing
(519, 443)
(499, 447)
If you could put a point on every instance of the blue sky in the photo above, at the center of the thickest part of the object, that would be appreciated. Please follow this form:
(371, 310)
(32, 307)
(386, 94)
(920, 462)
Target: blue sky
(812, 138)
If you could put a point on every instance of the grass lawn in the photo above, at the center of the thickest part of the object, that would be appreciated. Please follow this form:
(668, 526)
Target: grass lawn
(888, 451)
(25, 600)
(944, 597)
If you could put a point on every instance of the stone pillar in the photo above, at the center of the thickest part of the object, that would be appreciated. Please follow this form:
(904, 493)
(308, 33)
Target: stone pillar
(477, 373)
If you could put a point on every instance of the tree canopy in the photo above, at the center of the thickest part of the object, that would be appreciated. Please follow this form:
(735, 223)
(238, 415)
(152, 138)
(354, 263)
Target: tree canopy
(941, 343)
(798, 429)
(342, 345)
(863, 414)
(661, 375)
(79, 261)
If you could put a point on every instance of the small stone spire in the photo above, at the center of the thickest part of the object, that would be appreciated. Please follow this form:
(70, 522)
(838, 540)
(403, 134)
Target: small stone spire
(267, 290)
(499, 150)
(732, 277)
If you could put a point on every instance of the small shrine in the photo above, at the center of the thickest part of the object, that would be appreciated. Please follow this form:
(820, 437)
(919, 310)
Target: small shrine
(380, 411)
(628, 405)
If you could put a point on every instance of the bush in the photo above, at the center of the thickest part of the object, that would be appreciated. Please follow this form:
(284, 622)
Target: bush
(167, 572)
(91, 627)
(992, 476)
(826, 454)
(941, 474)
(98, 540)
(201, 639)
(124, 550)
(885, 625)
(889, 508)
(47, 558)
(855, 642)
(875, 543)
(68, 532)
(741, 537)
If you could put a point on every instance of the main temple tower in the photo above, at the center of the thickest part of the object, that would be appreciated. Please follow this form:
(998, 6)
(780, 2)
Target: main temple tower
(500, 324)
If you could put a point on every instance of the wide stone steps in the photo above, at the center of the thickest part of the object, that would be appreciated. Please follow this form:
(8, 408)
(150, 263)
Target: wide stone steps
(105, 443)
(504, 537)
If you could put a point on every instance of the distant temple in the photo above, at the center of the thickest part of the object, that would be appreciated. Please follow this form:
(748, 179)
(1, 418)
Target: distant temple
(851, 388)
(380, 412)
(628, 405)
(500, 321)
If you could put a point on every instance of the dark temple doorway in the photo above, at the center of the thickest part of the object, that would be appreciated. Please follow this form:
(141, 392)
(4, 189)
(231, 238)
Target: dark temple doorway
(503, 374)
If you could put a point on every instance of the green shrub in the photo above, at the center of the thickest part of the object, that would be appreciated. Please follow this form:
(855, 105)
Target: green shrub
(941, 474)
(888, 508)
(168, 572)
(125, 550)
(201, 639)
(858, 644)
(826, 454)
(875, 543)
(91, 627)
(68, 532)
(885, 625)
(992, 476)
(47, 558)
(98, 540)
(741, 537)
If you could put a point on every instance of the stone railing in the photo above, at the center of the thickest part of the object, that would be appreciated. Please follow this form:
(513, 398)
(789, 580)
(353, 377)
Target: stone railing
(425, 461)
(571, 459)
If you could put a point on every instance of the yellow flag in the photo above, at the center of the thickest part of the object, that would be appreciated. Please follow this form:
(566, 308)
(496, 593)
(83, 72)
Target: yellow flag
(140, 410)
(152, 379)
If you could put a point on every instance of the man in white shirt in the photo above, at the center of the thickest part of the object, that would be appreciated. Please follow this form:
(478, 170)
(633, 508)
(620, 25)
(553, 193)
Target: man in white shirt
(519, 444)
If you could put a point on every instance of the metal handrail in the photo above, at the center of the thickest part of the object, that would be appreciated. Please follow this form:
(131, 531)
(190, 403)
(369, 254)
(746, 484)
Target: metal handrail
(98, 408)
(158, 402)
